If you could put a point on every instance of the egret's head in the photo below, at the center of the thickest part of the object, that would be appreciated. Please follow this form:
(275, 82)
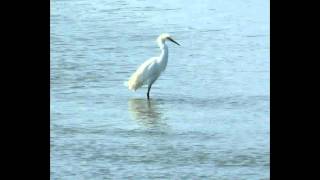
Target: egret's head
(163, 37)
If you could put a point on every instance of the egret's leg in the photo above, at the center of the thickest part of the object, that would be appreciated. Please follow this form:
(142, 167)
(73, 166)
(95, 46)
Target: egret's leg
(149, 87)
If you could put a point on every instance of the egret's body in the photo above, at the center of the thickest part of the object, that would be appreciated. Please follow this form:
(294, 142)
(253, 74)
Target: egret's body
(150, 70)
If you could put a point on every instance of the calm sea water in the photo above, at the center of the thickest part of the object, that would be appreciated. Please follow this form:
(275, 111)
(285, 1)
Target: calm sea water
(208, 117)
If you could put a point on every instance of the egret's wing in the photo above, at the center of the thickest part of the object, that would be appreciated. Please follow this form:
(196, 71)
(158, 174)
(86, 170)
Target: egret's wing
(141, 75)
(150, 70)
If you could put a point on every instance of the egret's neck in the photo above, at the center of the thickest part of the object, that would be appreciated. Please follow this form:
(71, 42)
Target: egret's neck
(164, 54)
(164, 50)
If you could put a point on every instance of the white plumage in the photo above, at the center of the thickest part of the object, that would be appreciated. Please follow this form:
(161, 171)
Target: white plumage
(150, 70)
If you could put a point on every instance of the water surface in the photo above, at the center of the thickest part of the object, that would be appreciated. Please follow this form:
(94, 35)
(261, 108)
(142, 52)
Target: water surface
(208, 117)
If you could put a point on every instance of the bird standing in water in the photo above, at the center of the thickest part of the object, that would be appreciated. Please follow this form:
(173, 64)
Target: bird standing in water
(150, 70)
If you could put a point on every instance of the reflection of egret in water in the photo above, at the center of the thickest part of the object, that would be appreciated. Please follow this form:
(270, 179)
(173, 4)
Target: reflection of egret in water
(146, 112)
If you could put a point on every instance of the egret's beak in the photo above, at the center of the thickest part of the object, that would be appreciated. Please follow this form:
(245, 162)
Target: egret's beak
(169, 38)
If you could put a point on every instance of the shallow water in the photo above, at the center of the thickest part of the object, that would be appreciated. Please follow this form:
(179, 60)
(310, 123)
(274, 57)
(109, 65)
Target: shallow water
(208, 117)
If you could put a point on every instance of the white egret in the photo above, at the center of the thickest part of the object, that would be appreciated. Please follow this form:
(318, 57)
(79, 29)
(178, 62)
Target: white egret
(150, 70)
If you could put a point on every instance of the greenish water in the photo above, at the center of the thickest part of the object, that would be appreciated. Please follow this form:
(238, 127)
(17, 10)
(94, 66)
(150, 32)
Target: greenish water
(208, 117)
